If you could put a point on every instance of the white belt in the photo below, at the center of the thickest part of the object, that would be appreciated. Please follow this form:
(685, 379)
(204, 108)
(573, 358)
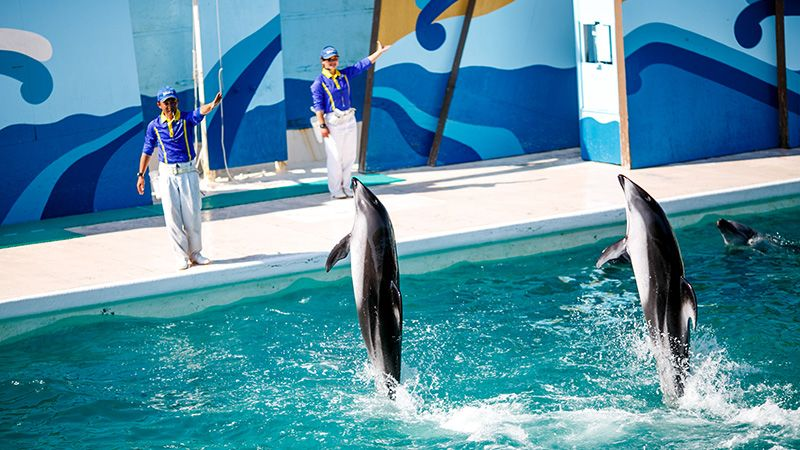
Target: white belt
(177, 168)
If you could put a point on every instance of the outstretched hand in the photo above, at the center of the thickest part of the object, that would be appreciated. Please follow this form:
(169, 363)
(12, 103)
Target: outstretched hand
(205, 109)
(378, 52)
(381, 49)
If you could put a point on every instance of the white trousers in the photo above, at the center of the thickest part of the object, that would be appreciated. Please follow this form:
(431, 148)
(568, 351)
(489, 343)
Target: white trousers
(180, 198)
(340, 149)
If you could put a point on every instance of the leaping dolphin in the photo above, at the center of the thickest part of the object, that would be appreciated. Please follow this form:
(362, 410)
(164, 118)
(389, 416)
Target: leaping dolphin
(668, 300)
(376, 284)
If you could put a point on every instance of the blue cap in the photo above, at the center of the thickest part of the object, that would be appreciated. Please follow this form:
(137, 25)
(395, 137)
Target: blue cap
(165, 93)
(328, 52)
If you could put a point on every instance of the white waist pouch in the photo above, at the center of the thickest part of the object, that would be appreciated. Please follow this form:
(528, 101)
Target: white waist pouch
(333, 118)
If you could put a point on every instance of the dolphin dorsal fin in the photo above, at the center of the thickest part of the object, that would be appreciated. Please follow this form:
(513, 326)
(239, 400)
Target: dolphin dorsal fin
(340, 251)
(616, 250)
(688, 303)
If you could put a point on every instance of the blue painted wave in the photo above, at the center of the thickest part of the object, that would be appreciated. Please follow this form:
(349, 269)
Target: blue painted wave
(76, 189)
(236, 101)
(431, 35)
(537, 106)
(702, 45)
(415, 138)
(422, 88)
(258, 138)
(535, 116)
(37, 82)
(680, 124)
(405, 135)
(658, 53)
(600, 141)
(747, 27)
(411, 101)
(40, 145)
(389, 148)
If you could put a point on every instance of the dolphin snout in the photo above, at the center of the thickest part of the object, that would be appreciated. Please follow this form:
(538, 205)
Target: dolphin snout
(622, 179)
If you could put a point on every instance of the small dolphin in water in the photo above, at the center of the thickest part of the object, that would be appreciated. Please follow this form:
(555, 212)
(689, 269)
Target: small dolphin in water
(376, 284)
(737, 234)
(667, 299)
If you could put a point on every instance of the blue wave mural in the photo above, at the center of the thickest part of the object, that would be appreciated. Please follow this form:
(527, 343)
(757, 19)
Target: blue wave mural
(431, 35)
(64, 167)
(536, 116)
(37, 82)
(669, 74)
(248, 61)
(677, 124)
(747, 27)
(411, 97)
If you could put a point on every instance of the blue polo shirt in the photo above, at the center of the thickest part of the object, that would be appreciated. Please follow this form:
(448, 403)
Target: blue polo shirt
(330, 89)
(174, 138)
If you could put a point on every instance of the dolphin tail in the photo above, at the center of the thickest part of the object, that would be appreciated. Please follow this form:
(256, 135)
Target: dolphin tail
(688, 303)
(340, 251)
(614, 251)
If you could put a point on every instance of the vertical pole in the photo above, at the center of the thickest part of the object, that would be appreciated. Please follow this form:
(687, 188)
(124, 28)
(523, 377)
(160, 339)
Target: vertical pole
(198, 74)
(622, 92)
(362, 151)
(451, 85)
(783, 106)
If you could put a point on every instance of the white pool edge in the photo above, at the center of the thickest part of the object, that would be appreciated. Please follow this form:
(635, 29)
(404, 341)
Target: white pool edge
(295, 264)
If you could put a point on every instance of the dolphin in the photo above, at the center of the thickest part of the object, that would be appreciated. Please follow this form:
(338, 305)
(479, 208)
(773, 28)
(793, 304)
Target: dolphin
(737, 234)
(376, 284)
(668, 300)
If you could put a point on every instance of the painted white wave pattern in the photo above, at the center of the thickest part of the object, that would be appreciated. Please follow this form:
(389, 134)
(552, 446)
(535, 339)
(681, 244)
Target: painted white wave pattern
(26, 42)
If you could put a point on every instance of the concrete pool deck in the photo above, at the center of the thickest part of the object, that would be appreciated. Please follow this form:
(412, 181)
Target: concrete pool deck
(431, 209)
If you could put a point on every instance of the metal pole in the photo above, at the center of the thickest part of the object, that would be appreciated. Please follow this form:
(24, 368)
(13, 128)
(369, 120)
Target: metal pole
(451, 85)
(198, 66)
(783, 106)
(362, 151)
(622, 90)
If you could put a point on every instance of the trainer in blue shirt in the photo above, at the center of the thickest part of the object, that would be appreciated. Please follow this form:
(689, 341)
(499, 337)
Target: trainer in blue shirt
(330, 96)
(178, 182)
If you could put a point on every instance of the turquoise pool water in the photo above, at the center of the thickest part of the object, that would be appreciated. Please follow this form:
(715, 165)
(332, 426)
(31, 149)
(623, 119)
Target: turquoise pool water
(536, 352)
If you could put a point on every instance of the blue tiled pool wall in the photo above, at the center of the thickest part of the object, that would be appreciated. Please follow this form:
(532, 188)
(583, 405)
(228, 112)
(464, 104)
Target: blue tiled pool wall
(75, 113)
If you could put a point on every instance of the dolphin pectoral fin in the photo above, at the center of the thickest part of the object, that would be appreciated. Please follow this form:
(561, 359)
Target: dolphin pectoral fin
(340, 251)
(689, 303)
(614, 251)
(397, 302)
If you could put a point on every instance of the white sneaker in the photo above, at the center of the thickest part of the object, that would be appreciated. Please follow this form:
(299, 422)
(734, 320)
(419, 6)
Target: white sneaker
(183, 264)
(339, 195)
(200, 260)
(348, 192)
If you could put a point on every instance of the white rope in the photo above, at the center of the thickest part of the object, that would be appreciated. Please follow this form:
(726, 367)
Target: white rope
(221, 108)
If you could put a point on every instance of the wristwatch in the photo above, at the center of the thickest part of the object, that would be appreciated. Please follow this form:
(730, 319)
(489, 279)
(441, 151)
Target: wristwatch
(139, 174)
(322, 125)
